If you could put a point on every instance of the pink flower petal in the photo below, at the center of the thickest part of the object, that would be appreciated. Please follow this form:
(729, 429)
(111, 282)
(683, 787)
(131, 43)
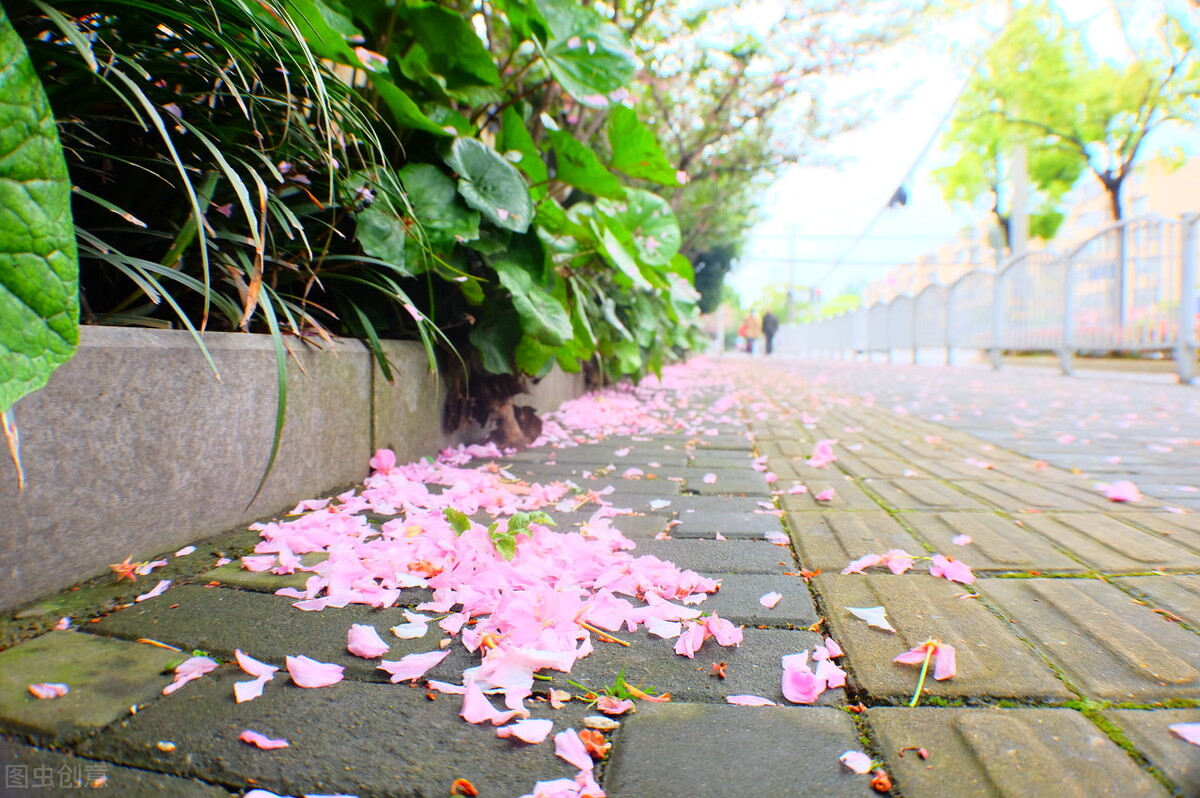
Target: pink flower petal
(709, 478)
(189, 670)
(306, 672)
(832, 648)
(413, 666)
(961, 540)
(800, 685)
(770, 600)
(383, 461)
(531, 731)
(944, 665)
(157, 590)
(749, 701)
(261, 740)
(1187, 731)
(363, 641)
(778, 538)
(1122, 491)
(252, 666)
(951, 569)
(613, 706)
(825, 495)
(914, 656)
(898, 560)
(264, 562)
(874, 616)
(476, 708)
(45, 690)
(856, 761)
(249, 690)
(865, 561)
(822, 454)
(568, 746)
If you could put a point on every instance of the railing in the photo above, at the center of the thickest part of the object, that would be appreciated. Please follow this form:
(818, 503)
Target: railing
(1130, 288)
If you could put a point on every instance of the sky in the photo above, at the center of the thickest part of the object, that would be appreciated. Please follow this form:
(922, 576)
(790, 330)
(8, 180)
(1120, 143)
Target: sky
(821, 211)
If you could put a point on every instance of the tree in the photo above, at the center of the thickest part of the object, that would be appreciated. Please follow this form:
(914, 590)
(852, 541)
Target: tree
(1044, 86)
(983, 145)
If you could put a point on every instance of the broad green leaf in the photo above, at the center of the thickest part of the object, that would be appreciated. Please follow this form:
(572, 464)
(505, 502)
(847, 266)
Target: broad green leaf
(495, 338)
(542, 316)
(491, 185)
(406, 112)
(535, 358)
(39, 272)
(524, 18)
(635, 149)
(381, 234)
(455, 51)
(681, 266)
(514, 137)
(443, 216)
(650, 222)
(629, 357)
(615, 253)
(578, 166)
(588, 55)
(459, 521)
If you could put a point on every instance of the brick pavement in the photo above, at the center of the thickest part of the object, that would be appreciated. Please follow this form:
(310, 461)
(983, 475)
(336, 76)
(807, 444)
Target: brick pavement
(1077, 644)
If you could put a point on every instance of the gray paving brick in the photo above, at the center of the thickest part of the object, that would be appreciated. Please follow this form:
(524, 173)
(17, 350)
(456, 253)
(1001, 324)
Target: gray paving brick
(879, 467)
(847, 495)
(690, 505)
(722, 460)
(728, 484)
(106, 678)
(753, 668)
(738, 600)
(753, 525)
(829, 541)
(801, 759)
(718, 557)
(1179, 594)
(1005, 753)
(1109, 646)
(1109, 544)
(991, 660)
(49, 773)
(266, 627)
(379, 740)
(1182, 529)
(1149, 731)
(996, 543)
(920, 494)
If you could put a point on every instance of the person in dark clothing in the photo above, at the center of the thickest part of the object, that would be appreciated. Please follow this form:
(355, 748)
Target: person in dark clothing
(770, 326)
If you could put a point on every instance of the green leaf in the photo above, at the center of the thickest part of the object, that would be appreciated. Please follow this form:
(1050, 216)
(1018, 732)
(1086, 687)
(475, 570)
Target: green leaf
(491, 185)
(404, 110)
(443, 216)
(615, 253)
(588, 55)
(542, 315)
(649, 222)
(381, 234)
(635, 149)
(507, 546)
(455, 51)
(514, 137)
(459, 521)
(578, 166)
(495, 338)
(534, 358)
(39, 273)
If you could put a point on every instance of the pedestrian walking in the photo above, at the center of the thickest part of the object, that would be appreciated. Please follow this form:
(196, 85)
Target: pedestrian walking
(751, 329)
(770, 326)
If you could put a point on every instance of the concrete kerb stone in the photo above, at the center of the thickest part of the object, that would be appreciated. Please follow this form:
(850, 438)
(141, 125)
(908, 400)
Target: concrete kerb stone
(704, 751)
(1149, 731)
(992, 661)
(1110, 647)
(719, 557)
(1004, 752)
(106, 678)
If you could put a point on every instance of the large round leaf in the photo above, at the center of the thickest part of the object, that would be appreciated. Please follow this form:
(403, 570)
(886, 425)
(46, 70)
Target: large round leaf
(635, 150)
(443, 217)
(491, 185)
(588, 55)
(578, 166)
(650, 223)
(39, 272)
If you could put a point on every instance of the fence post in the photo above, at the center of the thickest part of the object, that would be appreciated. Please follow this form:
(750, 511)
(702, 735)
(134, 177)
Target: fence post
(1067, 353)
(1185, 345)
(997, 315)
(949, 300)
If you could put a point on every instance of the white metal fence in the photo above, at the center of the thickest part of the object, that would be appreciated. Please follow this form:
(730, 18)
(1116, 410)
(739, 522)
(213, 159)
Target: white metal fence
(1130, 288)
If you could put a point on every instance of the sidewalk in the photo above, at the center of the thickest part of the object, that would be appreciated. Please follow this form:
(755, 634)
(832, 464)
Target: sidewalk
(1074, 622)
